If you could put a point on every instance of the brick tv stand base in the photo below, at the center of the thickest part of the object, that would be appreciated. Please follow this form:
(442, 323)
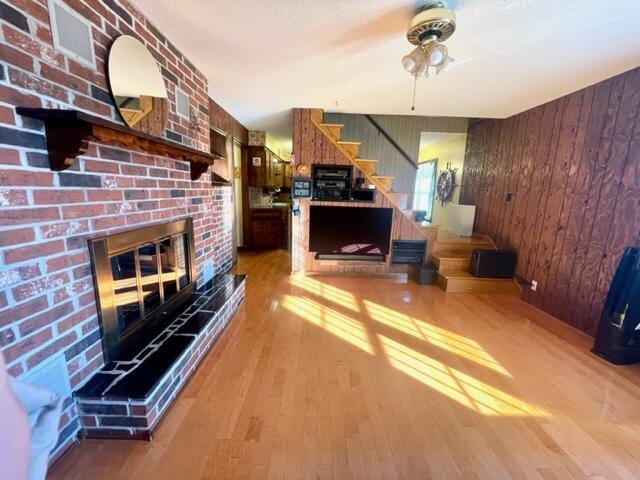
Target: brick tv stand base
(128, 399)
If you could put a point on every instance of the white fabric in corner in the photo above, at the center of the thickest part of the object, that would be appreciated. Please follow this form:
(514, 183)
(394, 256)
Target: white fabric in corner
(43, 408)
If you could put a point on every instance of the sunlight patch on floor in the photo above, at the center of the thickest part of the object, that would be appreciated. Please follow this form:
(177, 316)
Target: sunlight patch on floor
(333, 294)
(451, 342)
(336, 323)
(460, 387)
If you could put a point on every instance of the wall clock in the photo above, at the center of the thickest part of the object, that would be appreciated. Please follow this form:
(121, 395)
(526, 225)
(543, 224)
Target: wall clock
(302, 169)
(446, 184)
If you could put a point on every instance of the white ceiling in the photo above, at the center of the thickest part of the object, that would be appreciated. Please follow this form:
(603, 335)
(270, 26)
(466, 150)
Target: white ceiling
(264, 57)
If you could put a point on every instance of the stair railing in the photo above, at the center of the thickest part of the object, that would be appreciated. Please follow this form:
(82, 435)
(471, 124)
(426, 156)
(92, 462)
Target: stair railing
(395, 145)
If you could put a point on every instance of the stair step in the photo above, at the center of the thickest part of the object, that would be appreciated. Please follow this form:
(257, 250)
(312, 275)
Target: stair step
(456, 281)
(430, 231)
(333, 129)
(351, 148)
(366, 165)
(383, 181)
(448, 237)
(401, 200)
(454, 244)
(452, 261)
(458, 249)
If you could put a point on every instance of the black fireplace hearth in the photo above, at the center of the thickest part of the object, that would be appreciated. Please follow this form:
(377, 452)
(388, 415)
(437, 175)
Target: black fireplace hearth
(128, 396)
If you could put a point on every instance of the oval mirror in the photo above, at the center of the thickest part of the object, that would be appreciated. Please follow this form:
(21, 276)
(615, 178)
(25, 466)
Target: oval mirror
(137, 86)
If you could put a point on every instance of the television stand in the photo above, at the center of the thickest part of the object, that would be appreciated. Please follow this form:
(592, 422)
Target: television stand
(374, 257)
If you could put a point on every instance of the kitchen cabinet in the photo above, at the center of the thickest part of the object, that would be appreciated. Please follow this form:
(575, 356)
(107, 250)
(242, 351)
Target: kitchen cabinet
(257, 166)
(288, 173)
(268, 227)
(266, 169)
(221, 171)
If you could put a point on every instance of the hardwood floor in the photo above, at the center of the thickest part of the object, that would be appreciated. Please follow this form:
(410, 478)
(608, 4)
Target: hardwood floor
(345, 378)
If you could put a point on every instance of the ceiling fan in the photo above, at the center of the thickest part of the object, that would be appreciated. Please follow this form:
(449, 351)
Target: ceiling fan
(428, 30)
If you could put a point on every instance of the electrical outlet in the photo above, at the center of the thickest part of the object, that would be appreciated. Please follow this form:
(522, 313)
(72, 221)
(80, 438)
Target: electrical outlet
(534, 285)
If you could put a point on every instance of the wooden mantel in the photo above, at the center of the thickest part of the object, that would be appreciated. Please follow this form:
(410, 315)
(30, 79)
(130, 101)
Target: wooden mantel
(68, 133)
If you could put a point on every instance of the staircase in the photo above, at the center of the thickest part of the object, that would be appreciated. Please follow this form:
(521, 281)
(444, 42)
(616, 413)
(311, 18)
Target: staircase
(367, 167)
(452, 255)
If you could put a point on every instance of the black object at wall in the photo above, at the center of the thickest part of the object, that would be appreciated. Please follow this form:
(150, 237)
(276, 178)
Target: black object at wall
(491, 263)
(424, 274)
(332, 182)
(618, 336)
(408, 252)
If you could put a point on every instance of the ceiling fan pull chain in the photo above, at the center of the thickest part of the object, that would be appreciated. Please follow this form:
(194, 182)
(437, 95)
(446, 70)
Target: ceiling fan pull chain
(413, 101)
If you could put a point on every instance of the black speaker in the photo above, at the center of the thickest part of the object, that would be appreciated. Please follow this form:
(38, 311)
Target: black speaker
(487, 263)
(618, 336)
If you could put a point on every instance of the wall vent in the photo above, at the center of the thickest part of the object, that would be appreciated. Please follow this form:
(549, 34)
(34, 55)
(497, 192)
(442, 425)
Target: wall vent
(52, 375)
(71, 33)
(182, 103)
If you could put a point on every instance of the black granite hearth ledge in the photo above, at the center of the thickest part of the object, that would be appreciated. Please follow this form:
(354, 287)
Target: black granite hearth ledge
(225, 280)
(129, 398)
(139, 377)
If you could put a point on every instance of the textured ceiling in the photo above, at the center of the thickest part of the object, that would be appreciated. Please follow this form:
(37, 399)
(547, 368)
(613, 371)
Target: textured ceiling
(431, 138)
(264, 57)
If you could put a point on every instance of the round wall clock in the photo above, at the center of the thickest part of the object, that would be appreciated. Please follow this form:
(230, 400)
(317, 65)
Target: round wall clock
(446, 183)
(302, 169)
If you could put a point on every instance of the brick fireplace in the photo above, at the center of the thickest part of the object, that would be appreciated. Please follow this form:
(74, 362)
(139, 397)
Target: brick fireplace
(47, 298)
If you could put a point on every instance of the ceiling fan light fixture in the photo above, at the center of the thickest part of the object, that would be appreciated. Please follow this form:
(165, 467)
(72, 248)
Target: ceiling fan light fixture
(422, 69)
(435, 52)
(428, 30)
(446, 65)
(410, 62)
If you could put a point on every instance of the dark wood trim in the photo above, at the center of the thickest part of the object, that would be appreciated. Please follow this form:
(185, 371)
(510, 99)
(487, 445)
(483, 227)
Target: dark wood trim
(223, 121)
(68, 133)
(247, 240)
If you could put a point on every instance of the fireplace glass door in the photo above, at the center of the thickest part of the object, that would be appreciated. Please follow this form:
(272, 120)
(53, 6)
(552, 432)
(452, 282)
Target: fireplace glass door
(141, 276)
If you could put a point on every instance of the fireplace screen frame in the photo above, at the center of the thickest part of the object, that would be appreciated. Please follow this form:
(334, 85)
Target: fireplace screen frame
(117, 343)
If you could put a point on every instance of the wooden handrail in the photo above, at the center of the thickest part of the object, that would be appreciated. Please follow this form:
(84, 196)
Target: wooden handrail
(395, 145)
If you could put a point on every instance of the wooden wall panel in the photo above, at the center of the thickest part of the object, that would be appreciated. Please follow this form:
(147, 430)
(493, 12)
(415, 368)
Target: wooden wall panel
(572, 167)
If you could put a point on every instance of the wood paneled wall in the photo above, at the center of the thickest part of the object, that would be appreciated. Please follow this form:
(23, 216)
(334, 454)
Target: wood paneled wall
(560, 184)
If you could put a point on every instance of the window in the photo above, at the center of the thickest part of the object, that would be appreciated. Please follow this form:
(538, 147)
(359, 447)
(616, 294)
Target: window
(425, 187)
(182, 103)
(71, 33)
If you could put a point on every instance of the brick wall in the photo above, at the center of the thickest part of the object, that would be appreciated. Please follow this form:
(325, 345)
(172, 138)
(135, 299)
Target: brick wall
(47, 302)
(35, 74)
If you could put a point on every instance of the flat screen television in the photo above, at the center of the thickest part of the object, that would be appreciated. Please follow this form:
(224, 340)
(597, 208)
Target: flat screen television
(359, 232)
